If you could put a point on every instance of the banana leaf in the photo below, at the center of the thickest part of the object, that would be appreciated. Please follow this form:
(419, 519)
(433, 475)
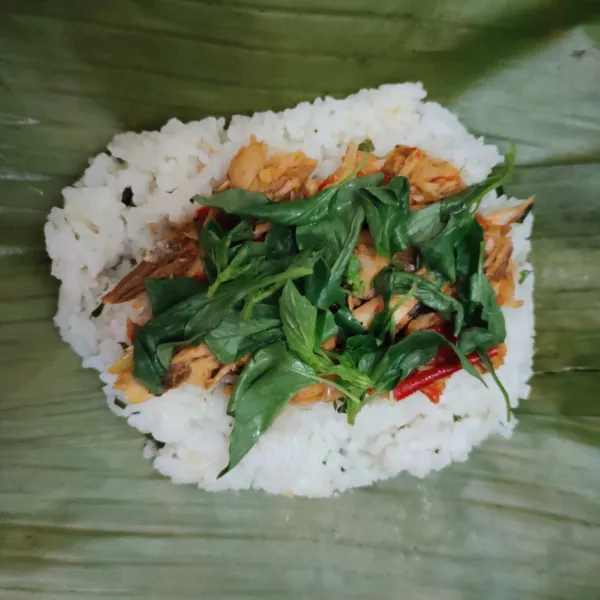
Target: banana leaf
(83, 516)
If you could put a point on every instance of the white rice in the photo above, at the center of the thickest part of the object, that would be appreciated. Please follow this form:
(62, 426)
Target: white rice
(310, 450)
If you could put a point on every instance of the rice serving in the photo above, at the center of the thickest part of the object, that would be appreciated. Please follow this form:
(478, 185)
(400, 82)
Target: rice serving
(100, 232)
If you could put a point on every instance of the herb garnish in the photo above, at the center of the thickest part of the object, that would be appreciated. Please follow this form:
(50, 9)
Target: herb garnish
(127, 196)
(97, 311)
(119, 403)
(525, 273)
(366, 146)
(280, 299)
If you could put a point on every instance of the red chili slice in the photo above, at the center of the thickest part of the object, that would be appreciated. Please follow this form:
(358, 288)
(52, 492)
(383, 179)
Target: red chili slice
(325, 183)
(419, 379)
(445, 354)
(201, 214)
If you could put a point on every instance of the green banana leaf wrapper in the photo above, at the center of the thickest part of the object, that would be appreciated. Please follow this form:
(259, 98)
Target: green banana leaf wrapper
(83, 516)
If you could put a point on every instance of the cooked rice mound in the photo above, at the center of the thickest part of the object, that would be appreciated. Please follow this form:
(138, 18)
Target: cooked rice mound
(98, 234)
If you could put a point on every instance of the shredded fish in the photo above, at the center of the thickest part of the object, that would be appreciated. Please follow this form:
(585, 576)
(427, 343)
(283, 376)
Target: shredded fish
(510, 214)
(261, 229)
(353, 157)
(198, 365)
(317, 392)
(366, 312)
(124, 364)
(430, 179)
(135, 392)
(195, 365)
(499, 266)
(278, 177)
(246, 164)
(427, 321)
(175, 255)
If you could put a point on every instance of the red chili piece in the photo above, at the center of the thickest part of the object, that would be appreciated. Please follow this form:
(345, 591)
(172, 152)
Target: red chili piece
(202, 213)
(419, 379)
(325, 183)
(445, 354)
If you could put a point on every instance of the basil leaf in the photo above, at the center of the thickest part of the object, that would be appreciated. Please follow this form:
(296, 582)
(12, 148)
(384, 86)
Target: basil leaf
(264, 399)
(164, 353)
(440, 256)
(234, 337)
(456, 218)
(324, 286)
(266, 311)
(244, 259)
(280, 241)
(365, 351)
(485, 320)
(216, 244)
(267, 276)
(425, 224)
(257, 206)
(327, 236)
(395, 281)
(215, 254)
(354, 371)
(145, 370)
(235, 201)
(467, 254)
(316, 287)
(263, 294)
(299, 320)
(300, 212)
(256, 367)
(454, 252)
(242, 232)
(167, 328)
(208, 316)
(326, 326)
(387, 212)
(165, 293)
(349, 377)
(347, 323)
(260, 339)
